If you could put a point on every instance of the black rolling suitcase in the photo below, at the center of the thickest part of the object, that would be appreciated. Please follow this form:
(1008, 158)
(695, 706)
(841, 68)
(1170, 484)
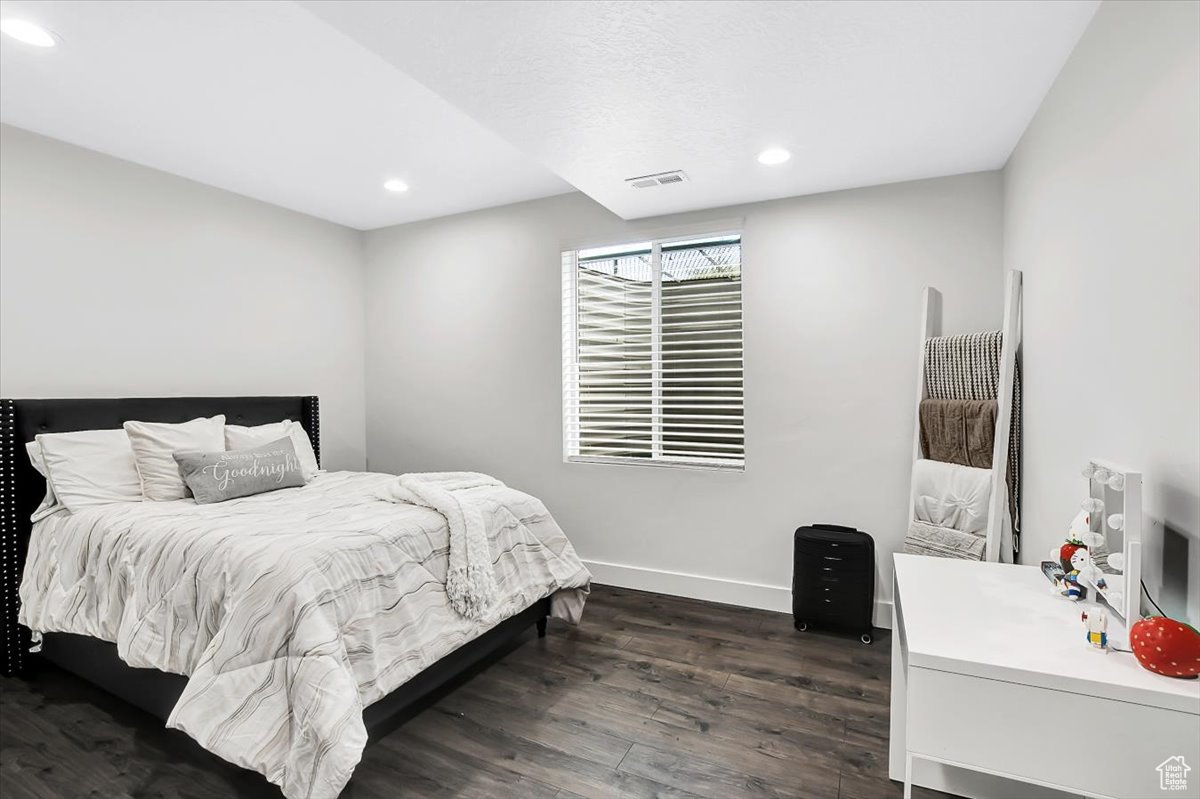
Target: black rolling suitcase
(833, 579)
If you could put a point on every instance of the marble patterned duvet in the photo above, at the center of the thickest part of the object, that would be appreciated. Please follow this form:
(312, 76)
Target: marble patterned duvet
(289, 611)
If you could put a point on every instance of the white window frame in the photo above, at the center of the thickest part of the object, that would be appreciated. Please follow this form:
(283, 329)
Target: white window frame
(570, 343)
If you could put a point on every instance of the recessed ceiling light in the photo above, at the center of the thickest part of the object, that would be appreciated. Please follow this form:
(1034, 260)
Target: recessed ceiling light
(773, 155)
(27, 32)
(396, 185)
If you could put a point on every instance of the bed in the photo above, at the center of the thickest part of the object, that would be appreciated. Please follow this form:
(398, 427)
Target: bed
(280, 630)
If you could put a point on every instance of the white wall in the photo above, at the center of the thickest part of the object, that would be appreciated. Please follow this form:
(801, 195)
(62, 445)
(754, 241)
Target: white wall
(464, 365)
(118, 280)
(1102, 201)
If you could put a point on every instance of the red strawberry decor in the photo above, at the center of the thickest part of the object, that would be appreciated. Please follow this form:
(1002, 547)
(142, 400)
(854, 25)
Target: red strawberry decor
(1166, 646)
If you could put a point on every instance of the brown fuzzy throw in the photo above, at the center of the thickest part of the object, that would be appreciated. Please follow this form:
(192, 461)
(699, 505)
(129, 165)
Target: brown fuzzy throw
(959, 431)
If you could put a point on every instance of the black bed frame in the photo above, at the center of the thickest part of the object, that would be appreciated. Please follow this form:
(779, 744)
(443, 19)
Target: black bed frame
(22, 489)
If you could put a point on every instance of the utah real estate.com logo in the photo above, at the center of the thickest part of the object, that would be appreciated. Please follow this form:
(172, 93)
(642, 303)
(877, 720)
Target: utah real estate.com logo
(1172, 774)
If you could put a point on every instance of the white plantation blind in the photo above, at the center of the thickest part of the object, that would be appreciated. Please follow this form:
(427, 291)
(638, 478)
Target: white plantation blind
(652, 353)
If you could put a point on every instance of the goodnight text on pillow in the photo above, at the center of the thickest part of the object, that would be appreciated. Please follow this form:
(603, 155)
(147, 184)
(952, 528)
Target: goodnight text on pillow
(219, 476)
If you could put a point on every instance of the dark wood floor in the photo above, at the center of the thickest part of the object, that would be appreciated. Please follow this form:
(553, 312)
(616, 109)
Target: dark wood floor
(652, 696)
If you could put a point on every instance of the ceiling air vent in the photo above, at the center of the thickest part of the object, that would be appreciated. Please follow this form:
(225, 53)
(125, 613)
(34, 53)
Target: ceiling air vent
(659, 179)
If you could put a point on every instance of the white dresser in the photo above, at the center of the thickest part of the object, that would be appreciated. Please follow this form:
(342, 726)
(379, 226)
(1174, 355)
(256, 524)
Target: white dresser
(995, 692)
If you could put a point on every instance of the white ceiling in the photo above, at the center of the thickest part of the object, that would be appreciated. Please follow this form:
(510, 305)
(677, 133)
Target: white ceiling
(260, 98)
(862, 93)
(479, 104)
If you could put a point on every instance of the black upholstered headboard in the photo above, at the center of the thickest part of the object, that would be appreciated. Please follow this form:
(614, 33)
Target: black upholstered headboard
(22, 488)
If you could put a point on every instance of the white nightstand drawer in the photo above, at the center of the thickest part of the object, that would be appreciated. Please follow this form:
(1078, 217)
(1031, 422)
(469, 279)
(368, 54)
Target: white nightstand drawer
(1080, 743)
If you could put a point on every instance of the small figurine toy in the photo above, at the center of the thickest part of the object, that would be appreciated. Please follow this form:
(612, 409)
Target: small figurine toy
(1095, 621)
(1079, 570)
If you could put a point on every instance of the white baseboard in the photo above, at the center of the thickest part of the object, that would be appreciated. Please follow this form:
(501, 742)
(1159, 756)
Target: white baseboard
(712, 589)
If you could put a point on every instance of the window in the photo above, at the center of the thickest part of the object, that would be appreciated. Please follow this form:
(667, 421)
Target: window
(652, 353)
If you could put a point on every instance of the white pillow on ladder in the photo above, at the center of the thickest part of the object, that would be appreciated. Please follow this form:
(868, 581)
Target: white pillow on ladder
(949, 495)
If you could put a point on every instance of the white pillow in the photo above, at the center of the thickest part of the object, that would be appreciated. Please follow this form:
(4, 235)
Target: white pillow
(90, 467)
(50, 503)
(949, 495)
(153, 443)
(240, 437)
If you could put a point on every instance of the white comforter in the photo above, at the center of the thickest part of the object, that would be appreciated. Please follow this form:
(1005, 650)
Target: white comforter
(290, 611)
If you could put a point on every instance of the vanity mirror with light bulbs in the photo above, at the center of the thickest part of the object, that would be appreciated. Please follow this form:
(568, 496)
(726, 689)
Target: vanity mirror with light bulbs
(1115, 544)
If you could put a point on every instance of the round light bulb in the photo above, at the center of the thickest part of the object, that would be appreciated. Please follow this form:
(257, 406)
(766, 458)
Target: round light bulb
(773, 155)
(27, 32)
(1100, 475)
(1092, 505)
(1088, 471)
(1116, 481)
(1117, 521)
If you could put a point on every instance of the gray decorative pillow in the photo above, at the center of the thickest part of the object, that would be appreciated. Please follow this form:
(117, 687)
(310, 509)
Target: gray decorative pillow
(218, 476)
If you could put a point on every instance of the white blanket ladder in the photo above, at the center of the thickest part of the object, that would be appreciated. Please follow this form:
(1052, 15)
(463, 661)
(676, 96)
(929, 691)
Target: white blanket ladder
(999, 526)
